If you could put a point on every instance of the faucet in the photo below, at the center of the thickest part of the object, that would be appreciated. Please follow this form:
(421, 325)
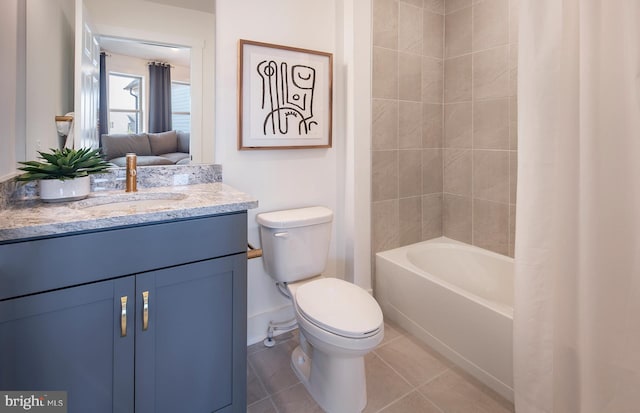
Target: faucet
(132, 173)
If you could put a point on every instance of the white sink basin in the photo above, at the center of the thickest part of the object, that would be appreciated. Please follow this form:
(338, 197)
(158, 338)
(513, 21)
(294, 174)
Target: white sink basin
(130, 202)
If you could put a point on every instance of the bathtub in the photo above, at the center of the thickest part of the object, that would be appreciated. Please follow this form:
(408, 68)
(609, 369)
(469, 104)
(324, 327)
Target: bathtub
(458, 299)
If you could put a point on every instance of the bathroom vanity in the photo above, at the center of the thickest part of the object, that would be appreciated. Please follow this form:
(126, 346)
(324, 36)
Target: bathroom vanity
(127, 312)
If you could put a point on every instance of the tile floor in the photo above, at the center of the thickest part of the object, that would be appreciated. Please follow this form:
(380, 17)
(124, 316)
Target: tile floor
(403, 376)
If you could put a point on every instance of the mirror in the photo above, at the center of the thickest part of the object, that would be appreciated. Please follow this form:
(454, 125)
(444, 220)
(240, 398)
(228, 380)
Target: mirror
(51, 38)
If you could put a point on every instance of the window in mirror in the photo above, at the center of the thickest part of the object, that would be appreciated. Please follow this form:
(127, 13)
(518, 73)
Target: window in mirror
(125, 103)
(181, 106)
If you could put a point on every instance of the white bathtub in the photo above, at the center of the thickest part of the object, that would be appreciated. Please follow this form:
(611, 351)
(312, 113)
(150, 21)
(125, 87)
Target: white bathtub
(458, 299)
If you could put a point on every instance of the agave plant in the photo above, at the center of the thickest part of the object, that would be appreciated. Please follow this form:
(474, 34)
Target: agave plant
(64, 164)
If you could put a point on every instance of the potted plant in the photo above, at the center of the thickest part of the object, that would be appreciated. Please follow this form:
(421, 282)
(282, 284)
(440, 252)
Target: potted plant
(63, 174)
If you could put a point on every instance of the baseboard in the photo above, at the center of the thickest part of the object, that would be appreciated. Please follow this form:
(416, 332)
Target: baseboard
(258, 324)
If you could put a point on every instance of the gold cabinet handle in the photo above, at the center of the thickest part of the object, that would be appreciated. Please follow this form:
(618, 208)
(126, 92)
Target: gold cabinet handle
(145, 310)
(123, 316)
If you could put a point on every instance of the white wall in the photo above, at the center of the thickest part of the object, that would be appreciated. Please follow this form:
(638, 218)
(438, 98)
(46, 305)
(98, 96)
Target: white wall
(49, 71)
(282, 179)
(8, 66)
(144, 20)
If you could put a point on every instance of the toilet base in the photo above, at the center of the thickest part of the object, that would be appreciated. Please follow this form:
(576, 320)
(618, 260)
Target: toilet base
(336, 383)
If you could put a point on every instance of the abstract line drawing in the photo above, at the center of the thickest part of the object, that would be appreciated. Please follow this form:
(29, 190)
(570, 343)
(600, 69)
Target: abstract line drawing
(285, 97)
(287, 93)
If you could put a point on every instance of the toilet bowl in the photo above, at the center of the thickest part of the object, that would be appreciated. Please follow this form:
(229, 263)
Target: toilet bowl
(342, 323)
(339, 322)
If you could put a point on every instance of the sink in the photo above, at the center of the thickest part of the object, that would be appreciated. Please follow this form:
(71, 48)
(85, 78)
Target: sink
(130, 202)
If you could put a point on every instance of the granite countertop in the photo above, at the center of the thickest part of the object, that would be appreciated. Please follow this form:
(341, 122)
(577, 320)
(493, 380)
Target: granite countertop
(34, 218)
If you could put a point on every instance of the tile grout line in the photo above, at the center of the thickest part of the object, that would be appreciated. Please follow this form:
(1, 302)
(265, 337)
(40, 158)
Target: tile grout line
(260, 382)
(394, 370)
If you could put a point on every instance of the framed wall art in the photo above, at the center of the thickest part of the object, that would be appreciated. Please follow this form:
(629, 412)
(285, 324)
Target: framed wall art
(284, 97)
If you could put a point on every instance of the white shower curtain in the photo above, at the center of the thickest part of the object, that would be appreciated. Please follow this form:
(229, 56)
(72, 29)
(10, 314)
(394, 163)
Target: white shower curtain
(577, 311)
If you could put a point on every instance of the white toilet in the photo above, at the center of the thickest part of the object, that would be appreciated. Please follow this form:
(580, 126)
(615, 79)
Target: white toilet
(338, 321)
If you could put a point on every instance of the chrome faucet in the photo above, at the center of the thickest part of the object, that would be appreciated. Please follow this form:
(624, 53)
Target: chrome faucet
(132, 173)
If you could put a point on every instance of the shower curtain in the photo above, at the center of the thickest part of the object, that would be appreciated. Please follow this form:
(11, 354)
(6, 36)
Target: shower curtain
(577, 311)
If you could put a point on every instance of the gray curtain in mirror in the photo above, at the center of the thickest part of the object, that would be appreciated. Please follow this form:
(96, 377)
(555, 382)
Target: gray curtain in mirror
(159, 97)
(103, 127)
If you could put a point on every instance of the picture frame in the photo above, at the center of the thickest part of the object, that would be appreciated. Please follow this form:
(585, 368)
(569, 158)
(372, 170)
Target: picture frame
(285, 97)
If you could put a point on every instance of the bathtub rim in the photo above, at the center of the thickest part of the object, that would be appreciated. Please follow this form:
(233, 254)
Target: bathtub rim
(399, 257)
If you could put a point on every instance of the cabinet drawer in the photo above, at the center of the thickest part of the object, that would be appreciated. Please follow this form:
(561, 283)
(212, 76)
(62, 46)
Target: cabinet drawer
(49, 263)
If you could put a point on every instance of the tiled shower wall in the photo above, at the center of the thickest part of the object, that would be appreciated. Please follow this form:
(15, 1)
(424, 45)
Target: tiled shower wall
(407, 113)
(444, 122)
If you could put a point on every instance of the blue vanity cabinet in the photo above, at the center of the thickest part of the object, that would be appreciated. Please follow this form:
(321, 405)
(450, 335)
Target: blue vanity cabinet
(70, 340)
(184, 345)
(183, 348)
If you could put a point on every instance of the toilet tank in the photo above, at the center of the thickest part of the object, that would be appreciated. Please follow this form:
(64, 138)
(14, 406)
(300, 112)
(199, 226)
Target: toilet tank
(295, 242)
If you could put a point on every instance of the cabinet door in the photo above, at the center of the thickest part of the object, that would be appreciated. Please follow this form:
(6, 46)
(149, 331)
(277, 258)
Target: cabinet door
(184, 353)
(71, 340)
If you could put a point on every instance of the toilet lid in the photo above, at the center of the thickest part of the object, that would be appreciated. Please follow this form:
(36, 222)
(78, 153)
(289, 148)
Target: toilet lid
(340, 307)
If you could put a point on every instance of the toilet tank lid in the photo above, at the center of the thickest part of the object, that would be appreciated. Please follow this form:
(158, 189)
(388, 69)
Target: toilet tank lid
(291, 218)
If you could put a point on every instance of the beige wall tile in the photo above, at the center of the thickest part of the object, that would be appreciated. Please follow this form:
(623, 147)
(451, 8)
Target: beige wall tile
(409, 28)
(457, 171)
(410, 220)
(513, 176)
(431, 171)
(384, 167)
(410, 170)
(491, 124)
(490, 73)
(432, 80)
(385, 73)
(490, 24)
(384, 127)
(432, 125)
(410, 126)
(513, 20)
(456, 217)
(385, 222)
(513, 123)
(491, 225)
(431, 216)
(435, 6)
(457, 78)
(409, 77)
(457, 33)
(433, 32)
(512, 230)
(385, 23)
(457, 125)
(491, 175)
(452, 5)
(417, 3)
(513, 69)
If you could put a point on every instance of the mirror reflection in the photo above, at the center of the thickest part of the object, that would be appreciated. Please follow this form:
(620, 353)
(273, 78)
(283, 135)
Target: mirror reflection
(135, 35)
(145, 90)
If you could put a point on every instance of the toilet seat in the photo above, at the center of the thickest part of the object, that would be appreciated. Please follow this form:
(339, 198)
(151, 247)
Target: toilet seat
(339, 307)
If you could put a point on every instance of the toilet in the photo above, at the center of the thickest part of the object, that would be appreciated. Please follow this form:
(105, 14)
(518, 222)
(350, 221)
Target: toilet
(338, 321)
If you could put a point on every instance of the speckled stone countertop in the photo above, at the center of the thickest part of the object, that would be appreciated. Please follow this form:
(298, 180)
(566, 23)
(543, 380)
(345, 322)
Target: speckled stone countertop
(166, 193)
(34, 218)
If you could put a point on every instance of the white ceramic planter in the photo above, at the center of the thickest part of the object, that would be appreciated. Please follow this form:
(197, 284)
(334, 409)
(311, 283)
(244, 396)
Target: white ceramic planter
(56, 190)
